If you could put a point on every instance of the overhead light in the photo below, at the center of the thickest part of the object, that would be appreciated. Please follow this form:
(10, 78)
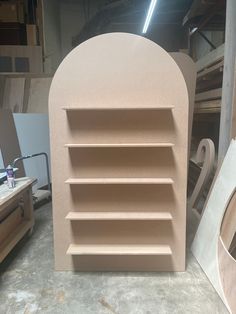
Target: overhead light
(193, 30)
(149, 15)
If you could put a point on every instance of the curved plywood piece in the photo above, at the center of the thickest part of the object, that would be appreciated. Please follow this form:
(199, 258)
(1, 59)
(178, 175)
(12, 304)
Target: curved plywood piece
(205, 156)
(228, 227)
(110, 94)
(227, 270)
(208, 247)
(227, 264)
(189, 70)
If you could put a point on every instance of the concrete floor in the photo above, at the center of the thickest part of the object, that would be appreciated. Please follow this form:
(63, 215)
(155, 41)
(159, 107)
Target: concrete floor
(28, 284)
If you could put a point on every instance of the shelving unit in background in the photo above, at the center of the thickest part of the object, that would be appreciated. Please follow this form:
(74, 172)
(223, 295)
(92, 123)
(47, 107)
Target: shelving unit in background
(209, 82)
(207, 101)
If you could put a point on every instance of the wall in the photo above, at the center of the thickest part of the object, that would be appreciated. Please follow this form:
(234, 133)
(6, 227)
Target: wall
(72, 20)
(170, 37)
(52, 31)
(33, 134)
(64, 19)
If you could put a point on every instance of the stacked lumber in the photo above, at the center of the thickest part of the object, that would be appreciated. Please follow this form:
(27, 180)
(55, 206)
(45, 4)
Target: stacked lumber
(209, 82)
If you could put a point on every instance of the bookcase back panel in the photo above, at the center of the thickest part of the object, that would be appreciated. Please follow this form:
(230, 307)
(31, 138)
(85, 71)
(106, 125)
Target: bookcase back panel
(118, 109)
(122, 232)
(122, 162)
(121, 126)
(123, 263)
(120, 198)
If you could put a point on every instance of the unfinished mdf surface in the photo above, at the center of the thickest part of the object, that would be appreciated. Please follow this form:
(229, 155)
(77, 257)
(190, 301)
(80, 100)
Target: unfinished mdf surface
(216, 230)
(9, 142)
(189, 70)
(14, 94)
(205, 157)
(119, 157)
(226, 254)
(38, 95)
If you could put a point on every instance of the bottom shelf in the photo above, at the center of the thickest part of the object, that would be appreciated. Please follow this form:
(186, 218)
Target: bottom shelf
(80, 216)
(128, 249)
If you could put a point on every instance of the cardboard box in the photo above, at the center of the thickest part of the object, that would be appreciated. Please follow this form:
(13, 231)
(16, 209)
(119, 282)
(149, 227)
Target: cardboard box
(12, 12)
(31, 30)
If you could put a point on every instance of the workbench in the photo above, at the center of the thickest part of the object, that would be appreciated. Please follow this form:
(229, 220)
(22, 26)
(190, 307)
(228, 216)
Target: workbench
(16, 214)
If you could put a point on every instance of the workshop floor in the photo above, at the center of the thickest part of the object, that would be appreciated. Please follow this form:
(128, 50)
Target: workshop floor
(28, 284)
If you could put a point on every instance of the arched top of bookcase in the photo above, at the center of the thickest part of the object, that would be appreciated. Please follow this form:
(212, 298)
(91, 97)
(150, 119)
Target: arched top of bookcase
(116, 71)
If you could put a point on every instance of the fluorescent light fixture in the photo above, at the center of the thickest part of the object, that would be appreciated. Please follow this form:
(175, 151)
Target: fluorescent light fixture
(149, 15)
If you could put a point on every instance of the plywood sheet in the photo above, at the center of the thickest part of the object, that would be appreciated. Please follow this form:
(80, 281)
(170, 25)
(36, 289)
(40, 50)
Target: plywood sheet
(227, 261)
(13, 98)
(205, 244)
(38, 95)
(189, 70)
(9, 143)
(33, 133)
(211, 58)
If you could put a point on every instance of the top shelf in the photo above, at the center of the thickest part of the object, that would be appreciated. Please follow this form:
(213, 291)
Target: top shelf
(119, 145)
(117, 108)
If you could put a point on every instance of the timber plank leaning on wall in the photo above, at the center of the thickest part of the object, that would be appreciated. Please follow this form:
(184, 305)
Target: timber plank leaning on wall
(9, 143)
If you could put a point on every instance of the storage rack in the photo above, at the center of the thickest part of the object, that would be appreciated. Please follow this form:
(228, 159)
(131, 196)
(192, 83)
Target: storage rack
(118, 170)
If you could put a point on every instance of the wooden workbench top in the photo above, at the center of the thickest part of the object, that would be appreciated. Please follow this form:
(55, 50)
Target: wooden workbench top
(6, 194)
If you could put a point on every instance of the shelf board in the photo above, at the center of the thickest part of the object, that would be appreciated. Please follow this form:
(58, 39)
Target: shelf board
(78, 216)
(207, 110)
(119, 181)
(209, 95)
(97, 249)
(101, 145)
(118, 108)
(211, 71)
(210, 106)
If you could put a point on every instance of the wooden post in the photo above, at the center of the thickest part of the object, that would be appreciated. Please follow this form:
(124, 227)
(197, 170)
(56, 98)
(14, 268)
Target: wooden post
(233, 127)
(228, 79)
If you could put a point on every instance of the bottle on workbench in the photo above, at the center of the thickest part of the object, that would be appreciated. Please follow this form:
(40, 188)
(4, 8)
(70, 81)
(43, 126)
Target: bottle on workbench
(10, 177)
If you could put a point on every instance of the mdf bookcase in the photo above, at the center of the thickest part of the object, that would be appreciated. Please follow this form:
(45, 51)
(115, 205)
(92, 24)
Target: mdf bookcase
(118, 109)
